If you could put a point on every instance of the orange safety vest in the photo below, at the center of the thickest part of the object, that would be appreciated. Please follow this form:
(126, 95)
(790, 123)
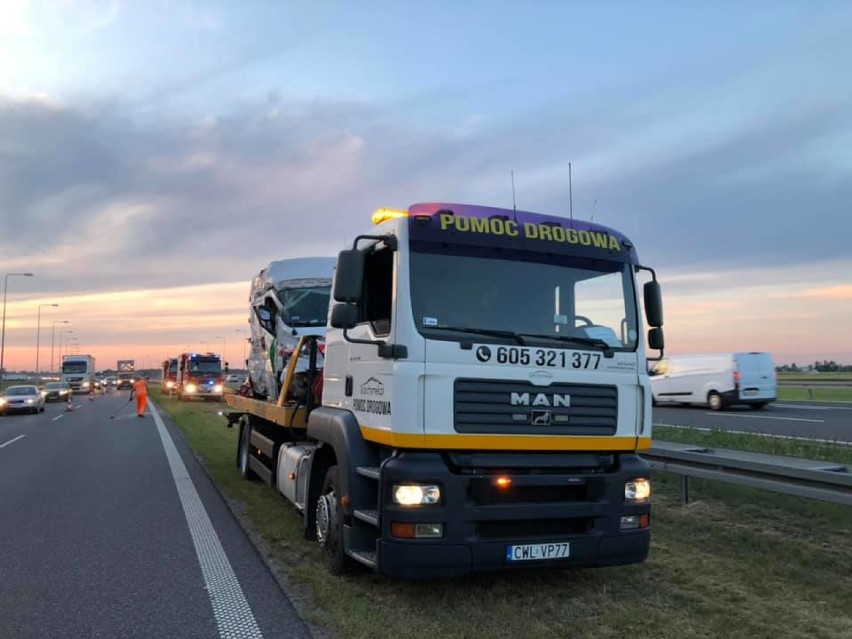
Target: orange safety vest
(140, 387)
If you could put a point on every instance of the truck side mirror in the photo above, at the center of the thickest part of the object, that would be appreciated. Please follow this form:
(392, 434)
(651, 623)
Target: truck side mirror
(656, 339)
(344, 315)
(349, 276)
(653, 304)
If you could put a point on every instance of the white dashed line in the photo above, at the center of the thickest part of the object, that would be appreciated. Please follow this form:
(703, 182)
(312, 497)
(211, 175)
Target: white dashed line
(53, 419)
(12, 441)
(230, 607)
(780, 419)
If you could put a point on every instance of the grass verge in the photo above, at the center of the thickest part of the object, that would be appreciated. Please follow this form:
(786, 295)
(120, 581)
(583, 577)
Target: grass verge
(734, 562)
(814, 393)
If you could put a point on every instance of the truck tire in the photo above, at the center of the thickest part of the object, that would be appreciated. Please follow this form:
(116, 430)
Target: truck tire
(714, 401)
(329, 525)
(243, 454)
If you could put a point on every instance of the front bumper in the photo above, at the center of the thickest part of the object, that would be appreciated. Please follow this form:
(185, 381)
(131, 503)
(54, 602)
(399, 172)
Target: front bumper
(553, 498)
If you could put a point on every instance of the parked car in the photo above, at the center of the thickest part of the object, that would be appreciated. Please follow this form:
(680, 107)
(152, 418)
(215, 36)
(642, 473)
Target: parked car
(57, 392)
(24, 398)
(716, 381)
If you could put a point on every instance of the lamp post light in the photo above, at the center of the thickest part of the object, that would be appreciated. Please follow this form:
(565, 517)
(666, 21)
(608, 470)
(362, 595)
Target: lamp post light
(53, 338)
(3, 330)
(38, 334)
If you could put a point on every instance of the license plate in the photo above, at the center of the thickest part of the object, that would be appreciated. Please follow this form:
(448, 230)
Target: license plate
(536, 552)
(751, 391)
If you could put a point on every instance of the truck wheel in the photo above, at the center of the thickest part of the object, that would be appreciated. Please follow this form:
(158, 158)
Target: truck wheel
(243, 456)
(714, 401)
(329, 518)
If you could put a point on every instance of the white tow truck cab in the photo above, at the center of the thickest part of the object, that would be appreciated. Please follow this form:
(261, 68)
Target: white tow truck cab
(481, 400)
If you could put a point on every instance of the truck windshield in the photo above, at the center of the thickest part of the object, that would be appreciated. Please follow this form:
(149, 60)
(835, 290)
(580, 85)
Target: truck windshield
(304, 306)
(205, 367)
(74, 367)
(569, 302)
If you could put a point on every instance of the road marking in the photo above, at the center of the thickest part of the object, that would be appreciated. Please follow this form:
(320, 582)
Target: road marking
(780, 419)
(230, 607)
(704, 429)
(60, 416)
(12, 441)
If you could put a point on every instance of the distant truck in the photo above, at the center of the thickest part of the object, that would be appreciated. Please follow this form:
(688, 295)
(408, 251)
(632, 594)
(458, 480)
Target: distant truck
(716, 380)
(126, 372)
(78, 371)
(288, 299)
(169, 377)
(199, 375)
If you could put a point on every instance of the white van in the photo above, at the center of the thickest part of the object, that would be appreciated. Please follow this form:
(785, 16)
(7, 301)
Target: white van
(716, 381)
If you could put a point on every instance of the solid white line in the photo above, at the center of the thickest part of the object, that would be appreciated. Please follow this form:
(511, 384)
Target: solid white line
(60, 416)
(780, 419)
(12, 441)
(230, 607)
(809, 407)
(704, 429)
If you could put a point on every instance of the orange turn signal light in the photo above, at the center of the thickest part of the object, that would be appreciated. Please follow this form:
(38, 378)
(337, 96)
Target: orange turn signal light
(402, 530)
(503, 482)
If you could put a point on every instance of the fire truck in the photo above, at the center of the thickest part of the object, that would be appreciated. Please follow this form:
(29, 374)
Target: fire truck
(199, 375)
(480, 403)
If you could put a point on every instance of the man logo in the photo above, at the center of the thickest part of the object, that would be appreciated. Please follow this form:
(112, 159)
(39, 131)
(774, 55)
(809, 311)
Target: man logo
(483, 353)
(540, 399)
(540, 418)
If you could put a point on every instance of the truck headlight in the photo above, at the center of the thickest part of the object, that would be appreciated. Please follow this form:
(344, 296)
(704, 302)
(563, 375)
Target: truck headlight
(416, 494)
(3, 401)
(191, 388)
(170, 384)
(637, 491)
(85, 385)
(217, 388)
(30, 401)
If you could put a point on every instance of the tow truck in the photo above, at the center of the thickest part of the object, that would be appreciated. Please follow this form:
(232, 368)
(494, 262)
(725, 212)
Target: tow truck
(479, 403)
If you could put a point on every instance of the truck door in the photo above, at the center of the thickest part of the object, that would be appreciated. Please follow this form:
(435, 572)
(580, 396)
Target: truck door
(357, 377)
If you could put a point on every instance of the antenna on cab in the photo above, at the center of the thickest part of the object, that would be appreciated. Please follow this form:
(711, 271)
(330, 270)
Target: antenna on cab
(514, 208)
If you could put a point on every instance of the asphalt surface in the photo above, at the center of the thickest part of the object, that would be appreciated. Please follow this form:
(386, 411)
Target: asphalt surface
(94, 541)
(811, 420)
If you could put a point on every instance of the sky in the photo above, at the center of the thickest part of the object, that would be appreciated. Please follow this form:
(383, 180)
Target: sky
(155, 155)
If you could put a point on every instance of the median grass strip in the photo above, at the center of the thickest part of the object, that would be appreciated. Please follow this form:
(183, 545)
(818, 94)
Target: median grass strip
(814, 393)
(734, 562)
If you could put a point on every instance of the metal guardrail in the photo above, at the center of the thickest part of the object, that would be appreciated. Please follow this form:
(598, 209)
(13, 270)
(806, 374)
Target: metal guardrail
(807, 478)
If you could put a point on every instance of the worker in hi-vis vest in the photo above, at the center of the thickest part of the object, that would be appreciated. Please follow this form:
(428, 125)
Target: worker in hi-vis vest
(140, 391)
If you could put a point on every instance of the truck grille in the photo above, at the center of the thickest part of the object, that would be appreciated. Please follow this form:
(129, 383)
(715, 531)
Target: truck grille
(517, 407)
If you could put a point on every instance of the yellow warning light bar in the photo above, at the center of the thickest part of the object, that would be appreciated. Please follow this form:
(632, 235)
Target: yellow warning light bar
(383, 215)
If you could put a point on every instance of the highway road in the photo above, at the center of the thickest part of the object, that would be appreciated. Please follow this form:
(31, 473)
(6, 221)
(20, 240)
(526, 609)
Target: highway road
(110, 528)
(812, 420)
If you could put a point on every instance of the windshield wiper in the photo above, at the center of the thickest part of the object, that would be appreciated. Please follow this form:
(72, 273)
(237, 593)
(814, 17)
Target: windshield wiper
(481, 331)
(585, 341)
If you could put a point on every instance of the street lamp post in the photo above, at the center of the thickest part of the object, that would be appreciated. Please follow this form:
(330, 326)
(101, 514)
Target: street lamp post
(61, 333)
(224, 358)
(245, 341)
(38, 334)
(3, 330)
(53, 338)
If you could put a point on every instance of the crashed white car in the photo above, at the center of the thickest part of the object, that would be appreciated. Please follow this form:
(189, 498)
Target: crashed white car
(289, 299)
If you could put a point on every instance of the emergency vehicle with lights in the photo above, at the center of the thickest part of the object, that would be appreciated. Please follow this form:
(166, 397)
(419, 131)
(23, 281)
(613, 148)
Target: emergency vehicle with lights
(480, 402)
(199, 375)
(168, 381)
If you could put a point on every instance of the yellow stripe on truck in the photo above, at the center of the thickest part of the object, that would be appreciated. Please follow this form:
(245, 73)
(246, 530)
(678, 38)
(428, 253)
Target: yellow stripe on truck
(503, 442)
